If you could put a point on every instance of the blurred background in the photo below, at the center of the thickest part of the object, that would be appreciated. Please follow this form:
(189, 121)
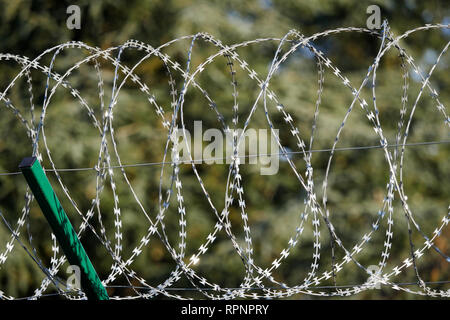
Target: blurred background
(357, 181)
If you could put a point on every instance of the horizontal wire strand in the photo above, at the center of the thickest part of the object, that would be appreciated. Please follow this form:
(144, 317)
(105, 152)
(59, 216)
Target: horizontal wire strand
(278, 288)
(146, 164)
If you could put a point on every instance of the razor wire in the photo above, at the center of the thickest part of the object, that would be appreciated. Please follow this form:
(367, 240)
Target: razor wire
(314, 213)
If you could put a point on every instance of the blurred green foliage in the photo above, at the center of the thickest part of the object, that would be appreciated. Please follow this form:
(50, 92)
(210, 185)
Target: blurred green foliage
(358, 178)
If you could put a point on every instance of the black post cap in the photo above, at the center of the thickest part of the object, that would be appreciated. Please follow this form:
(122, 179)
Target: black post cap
(27, 162)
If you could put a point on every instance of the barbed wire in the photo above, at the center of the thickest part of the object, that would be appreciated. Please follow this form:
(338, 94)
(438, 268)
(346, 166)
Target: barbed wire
(255, 288)
(256, 277)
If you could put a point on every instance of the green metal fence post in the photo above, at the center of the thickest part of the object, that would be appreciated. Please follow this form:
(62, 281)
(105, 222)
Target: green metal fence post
(62, 228)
